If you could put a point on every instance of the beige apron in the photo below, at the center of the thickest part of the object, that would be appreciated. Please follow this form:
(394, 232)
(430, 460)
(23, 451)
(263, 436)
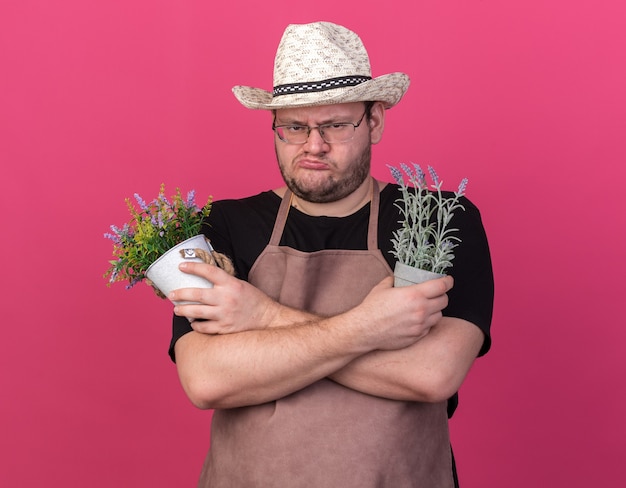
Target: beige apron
(326, 435)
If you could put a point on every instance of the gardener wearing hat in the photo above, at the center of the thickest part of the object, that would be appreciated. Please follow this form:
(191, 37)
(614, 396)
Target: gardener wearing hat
(321, 373)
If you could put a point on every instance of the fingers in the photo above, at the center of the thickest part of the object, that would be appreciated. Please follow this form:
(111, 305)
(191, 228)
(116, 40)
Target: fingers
(438, 287)
(231, 305)
(199, 295)
(185, 296)
(208, 271)
(202, 314)
(211, 273)
(204, 326)
(387, 282)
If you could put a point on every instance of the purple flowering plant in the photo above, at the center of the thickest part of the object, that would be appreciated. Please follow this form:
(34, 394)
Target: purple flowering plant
(153, 229)
(425, 239)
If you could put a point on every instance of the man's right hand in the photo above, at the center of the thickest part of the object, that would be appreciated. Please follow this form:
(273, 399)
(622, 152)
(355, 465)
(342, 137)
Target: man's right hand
(232, 305)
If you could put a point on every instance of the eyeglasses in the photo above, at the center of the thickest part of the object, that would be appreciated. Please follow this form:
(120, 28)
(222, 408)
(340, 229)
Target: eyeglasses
(331, 133)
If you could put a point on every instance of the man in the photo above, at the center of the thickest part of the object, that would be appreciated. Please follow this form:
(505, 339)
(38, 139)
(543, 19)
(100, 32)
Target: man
(321, 373)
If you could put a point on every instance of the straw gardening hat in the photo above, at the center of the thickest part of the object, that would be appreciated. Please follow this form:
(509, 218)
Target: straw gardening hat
(322, 64)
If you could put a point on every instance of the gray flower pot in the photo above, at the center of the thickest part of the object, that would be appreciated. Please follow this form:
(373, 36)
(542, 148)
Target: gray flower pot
(405, 275)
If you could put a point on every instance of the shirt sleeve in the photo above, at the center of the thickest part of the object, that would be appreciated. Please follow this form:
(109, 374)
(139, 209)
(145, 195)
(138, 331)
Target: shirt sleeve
(471, 297)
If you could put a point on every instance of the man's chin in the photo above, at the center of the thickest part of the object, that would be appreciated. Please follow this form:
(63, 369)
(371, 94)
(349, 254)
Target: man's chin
(320, 193)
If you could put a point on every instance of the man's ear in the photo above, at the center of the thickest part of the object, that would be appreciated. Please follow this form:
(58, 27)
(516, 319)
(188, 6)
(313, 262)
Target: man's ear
(377, 122)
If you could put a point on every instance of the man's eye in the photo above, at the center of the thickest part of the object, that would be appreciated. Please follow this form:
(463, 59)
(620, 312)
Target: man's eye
(294, 129)
(335, 127)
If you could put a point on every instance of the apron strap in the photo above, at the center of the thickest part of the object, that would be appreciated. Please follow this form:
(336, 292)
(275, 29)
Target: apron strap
(372, 230)
(281, 218)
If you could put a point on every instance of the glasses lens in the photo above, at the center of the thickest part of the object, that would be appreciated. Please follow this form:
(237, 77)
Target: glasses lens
(293, 134)
(337, 132)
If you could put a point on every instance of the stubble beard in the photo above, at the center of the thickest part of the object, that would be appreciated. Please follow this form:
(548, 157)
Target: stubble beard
(332, 190)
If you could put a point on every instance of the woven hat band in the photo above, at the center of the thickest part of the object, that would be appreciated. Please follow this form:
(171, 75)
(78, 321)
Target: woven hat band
(318, 86)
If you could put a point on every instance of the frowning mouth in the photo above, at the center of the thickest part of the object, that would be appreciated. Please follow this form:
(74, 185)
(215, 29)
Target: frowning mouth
(313, 164)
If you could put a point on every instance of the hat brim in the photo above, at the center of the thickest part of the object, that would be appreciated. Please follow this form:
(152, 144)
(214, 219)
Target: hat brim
(388, 89)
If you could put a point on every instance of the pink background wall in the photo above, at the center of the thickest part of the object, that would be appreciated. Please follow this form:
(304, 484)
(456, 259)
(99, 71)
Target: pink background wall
(99, 100)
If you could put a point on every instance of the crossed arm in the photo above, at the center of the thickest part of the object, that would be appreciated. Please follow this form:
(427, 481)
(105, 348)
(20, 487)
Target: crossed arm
(252, 350)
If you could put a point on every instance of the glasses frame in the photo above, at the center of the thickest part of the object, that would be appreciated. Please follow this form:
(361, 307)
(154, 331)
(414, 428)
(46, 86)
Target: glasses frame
(320, 129)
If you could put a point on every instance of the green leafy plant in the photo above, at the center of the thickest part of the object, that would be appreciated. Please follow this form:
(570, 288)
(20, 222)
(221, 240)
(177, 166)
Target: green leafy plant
(154, 228)
(424, 239)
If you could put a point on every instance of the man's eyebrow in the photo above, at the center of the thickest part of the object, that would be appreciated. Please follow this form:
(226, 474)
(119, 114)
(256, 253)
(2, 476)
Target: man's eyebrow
(288, 122)
(336, 119)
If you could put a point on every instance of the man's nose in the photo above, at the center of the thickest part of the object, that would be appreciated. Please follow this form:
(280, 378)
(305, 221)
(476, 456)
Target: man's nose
(315, 141)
